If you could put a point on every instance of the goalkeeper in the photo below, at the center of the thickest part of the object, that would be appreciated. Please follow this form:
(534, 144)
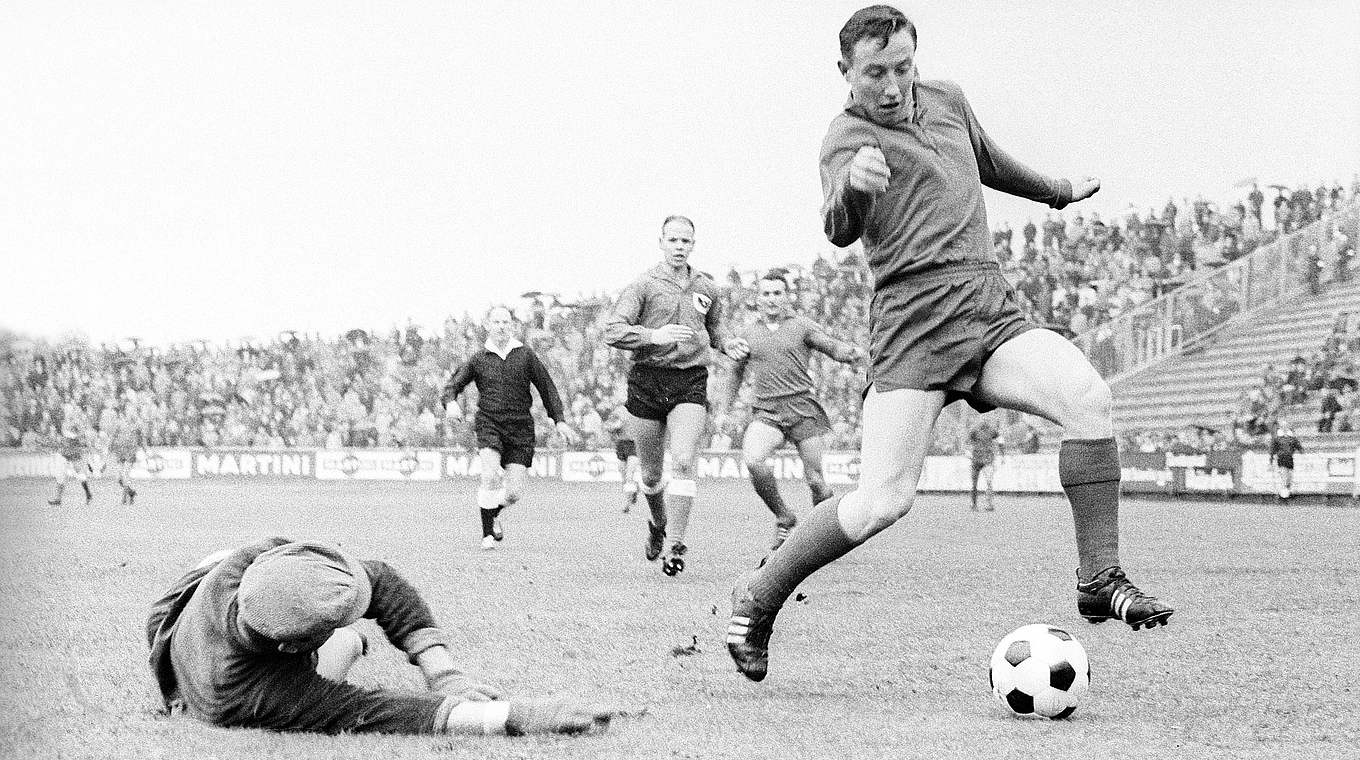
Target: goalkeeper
(258, 637)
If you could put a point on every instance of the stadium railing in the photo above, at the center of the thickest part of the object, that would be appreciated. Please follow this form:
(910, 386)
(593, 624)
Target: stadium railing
(1174, 322)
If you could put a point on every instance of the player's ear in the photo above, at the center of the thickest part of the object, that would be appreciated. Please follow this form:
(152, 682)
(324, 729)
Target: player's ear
(843, 67)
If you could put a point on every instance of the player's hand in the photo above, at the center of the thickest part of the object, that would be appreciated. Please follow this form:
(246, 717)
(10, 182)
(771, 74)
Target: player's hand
(556, 715)
(452, 683)
(452, 411)
(737, 348)
(1084, 188)
(568, 434)
(869, 171)
(668, 334)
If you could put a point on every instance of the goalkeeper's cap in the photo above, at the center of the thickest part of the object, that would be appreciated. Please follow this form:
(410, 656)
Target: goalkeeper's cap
(301, 590)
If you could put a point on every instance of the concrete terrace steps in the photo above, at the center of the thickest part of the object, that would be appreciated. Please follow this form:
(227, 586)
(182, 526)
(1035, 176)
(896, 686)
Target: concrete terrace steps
(1202, 387)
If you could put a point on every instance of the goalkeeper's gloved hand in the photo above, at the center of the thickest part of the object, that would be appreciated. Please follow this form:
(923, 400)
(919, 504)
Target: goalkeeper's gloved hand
(452, 683)
(555, 715)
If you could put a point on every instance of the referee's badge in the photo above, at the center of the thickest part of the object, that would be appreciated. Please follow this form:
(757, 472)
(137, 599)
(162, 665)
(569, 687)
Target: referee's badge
(701, 303)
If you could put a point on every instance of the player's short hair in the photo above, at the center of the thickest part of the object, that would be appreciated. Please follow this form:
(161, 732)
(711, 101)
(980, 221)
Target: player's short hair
(778, 274)
(494, 307)
(677, 218)
(877, 22)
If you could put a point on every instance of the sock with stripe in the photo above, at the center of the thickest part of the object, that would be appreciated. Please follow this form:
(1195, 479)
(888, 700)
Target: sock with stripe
(681, 493)
(1088, 469)
(818, 542)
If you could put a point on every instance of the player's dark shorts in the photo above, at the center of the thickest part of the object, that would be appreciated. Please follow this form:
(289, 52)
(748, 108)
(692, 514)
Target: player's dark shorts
(654, 391)
(934, 330)
(797, 417)
(514, 439)
(1284, 462)
(624, 448)
(981, 464)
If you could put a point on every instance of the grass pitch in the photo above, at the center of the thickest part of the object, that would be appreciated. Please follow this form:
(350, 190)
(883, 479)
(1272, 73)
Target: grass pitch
(885, 657)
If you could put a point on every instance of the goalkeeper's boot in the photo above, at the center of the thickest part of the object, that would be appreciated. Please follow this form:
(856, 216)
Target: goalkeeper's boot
(674, 561)
(1110, 594)
(655, 538)
(781, 533)
(497, 532)
(748, 632)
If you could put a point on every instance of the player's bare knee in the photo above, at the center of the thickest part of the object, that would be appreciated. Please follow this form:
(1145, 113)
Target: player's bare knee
(492, 482)
(1091, 406)
(512, 494)
(755, 464)
(682, 468)
(889, 503)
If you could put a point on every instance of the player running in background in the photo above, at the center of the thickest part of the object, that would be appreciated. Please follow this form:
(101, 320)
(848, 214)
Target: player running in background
(902, 170)
(259, 637)
(668, 318)
(1283, 446)
(983, 441)
(125, 439)
(503, 371)
(73, 444)
(626, 452)
(774, 353)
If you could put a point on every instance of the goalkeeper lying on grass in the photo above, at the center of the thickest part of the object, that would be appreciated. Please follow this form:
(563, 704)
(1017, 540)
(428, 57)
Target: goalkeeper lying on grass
(258, 637)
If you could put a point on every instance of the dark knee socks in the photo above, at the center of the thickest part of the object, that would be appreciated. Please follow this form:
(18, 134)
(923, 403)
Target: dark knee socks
(1089, 471)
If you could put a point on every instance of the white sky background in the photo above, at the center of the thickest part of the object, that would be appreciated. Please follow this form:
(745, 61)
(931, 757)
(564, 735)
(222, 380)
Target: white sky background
(177, 170)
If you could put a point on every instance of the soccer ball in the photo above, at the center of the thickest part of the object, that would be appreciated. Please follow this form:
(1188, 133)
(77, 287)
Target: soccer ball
(1040, 670)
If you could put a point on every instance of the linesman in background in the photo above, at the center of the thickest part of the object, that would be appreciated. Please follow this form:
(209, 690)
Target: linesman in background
(503, 371)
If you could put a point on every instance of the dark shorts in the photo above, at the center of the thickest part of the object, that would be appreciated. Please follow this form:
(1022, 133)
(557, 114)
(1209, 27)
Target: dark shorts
(624, 448)
(514, 439)
(654, 391)
(981, 464)
(797, 417)
(934, 331)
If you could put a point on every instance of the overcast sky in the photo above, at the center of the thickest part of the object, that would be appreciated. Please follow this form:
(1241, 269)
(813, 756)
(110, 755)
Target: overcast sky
(176, 170)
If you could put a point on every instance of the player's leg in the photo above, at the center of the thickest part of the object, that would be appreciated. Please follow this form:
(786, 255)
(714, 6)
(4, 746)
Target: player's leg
(686, 423)
(650, 437)
(66, 473)
(1040, 372)
(897, 435)
(812, 450)
(513, 478)
(125, 480)
(975, 470)
(490, 493)
(335, 657)
(84, 469)
(1286, 483)
(757, 444)
(629, 467)
(988, 473)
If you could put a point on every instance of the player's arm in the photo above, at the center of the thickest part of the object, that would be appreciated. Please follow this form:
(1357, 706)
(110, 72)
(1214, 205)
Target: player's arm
(853, 170)
(550, 398)
(457, 382)
(818, 340)
(407, 622)
(1002, 172)
(621, 327)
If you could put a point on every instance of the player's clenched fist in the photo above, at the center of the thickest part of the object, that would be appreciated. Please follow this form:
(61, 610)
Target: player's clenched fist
(668, 334)
(869, 171)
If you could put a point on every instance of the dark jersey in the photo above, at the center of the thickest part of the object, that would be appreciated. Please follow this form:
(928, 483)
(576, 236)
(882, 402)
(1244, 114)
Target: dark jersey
(932, 212)
(1282, 450)
(203, 661)
(660, 297)
(503, 385)
(982, 442)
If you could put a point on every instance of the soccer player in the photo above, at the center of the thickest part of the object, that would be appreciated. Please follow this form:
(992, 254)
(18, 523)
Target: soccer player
(774, 353)
(259, 637)
(668, 318)
(625, 449)
(73, 445)
(982, 445)
(124, 441)
(902, 171)
(1283, 446)
(503, 371)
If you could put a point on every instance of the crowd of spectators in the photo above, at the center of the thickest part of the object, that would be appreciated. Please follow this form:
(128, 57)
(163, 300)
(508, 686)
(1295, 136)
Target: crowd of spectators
(1078, 271)
(381, 389)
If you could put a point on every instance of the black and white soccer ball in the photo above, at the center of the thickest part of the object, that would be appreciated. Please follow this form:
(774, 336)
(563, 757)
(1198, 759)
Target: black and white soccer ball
(1040, 670)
